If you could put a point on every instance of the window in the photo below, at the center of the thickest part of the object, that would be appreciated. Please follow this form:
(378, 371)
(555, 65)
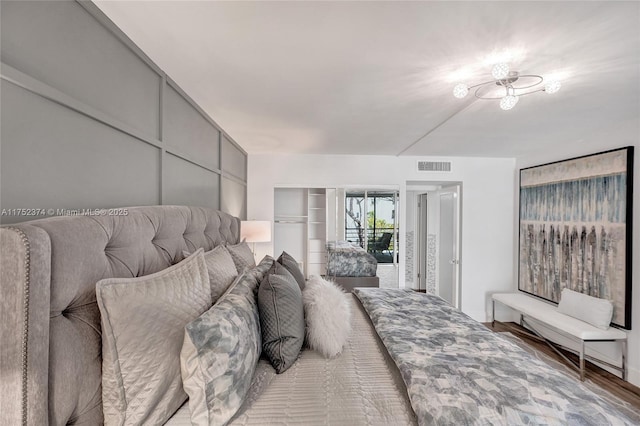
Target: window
(370, 222)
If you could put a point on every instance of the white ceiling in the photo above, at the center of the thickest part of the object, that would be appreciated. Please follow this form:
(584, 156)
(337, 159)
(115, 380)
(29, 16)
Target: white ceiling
(376, 77)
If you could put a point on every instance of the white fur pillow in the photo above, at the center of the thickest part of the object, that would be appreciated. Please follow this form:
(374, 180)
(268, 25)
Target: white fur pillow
(327, 315)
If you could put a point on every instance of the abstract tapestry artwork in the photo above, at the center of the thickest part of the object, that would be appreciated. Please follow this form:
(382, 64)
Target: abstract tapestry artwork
(575, 229)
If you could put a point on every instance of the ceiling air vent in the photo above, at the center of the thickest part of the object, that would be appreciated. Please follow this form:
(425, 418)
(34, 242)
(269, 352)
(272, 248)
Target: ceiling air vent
(434, 166)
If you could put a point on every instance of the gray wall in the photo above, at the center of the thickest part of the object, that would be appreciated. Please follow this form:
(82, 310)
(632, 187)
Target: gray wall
(89, 121)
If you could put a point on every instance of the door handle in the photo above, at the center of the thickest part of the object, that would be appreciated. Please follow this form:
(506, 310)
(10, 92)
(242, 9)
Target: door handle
(454, 261)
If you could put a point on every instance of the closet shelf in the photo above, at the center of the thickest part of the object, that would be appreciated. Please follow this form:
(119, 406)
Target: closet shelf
(301, 221)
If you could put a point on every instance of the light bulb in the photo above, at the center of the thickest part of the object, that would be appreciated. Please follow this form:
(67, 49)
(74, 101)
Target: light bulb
(500, 71)
(460, 91)
(552, 87)
(508, 102)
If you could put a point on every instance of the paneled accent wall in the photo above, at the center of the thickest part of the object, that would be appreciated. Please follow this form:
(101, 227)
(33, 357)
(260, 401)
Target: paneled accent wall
(89, 121)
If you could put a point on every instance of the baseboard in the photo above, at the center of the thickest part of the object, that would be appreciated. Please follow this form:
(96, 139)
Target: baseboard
(478, 315)
(634, 376)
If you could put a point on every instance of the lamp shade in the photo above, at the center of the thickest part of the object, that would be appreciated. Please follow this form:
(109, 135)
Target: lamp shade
(255, 231)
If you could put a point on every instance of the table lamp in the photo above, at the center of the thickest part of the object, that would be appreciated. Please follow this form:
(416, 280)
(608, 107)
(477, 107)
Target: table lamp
(255, 231)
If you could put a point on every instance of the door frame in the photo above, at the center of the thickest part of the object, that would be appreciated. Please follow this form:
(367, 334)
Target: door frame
(420, 242)
(422, 231)
(455, 190)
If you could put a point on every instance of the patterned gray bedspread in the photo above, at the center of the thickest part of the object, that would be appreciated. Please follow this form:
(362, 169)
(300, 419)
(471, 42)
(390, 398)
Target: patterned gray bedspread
(345, 259)
(458, 372)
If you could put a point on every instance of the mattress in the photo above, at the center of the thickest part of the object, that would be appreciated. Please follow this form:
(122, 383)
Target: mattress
(362, 386)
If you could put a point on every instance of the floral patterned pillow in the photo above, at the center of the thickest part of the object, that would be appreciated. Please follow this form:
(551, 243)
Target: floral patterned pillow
(220, 352)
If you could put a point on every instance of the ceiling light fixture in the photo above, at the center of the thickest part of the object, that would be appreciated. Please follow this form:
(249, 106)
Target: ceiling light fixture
(514, 84)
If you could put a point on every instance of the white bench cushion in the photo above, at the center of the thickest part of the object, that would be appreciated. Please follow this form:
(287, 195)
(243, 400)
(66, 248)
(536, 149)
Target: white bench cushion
(548, 314)
(587, 308)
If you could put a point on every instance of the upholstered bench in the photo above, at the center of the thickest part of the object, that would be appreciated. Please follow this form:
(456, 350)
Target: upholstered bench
(573, 328)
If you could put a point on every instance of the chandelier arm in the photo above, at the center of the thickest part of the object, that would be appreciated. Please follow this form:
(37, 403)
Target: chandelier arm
(539, 81)
(481, 84)
(479, 96)
(532, 91)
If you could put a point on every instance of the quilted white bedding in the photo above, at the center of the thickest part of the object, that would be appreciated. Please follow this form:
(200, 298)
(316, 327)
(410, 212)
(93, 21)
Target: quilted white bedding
(362, 386)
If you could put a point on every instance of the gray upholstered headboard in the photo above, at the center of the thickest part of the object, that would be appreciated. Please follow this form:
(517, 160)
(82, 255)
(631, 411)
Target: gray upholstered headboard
(49, 321)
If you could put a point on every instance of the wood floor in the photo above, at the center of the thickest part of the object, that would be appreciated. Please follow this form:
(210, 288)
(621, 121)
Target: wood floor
(613, 384)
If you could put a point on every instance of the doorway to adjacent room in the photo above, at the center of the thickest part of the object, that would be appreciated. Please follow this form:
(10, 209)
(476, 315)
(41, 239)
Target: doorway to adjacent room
(433, 238)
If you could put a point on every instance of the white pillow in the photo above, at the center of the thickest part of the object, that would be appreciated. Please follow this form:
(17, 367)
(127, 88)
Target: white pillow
(586, 308)
(327, 315)
(143, 321)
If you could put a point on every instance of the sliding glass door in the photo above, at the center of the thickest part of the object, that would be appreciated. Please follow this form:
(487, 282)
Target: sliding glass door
(370, 221)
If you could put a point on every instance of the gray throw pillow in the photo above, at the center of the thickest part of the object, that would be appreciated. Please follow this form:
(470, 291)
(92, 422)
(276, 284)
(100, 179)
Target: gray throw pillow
(143, 322)
(222, 271)
(219, 355)
(281, 317)
(242, 256)
(291, 264)
(262, 268)
(221, 268)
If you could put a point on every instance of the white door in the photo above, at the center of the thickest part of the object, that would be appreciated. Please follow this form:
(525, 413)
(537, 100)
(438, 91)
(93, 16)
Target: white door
(423, 218)
(448, 246)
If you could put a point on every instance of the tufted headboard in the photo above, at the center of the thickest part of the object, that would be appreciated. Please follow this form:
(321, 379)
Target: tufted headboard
(50, 370)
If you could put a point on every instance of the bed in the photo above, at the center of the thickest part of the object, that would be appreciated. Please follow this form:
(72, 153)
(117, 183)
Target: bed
(362, 386)
(351, 266)
(410, 359)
